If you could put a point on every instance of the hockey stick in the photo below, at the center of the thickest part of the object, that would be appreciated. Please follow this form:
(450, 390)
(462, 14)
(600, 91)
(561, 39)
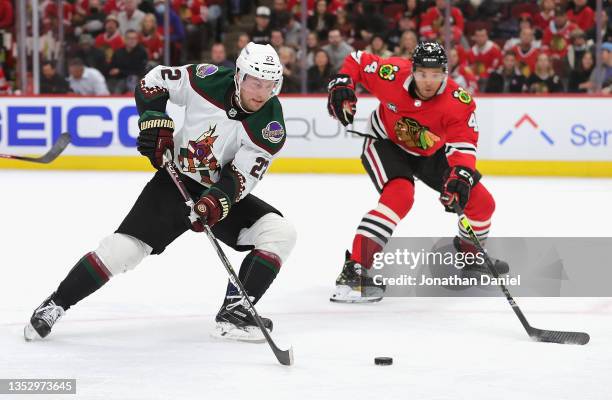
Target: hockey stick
(540, 335)
(284, 357)
(51, 155)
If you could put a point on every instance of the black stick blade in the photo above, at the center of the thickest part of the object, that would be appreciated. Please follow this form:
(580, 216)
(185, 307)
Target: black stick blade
(560, 337)
(58, 147)
(285, 357)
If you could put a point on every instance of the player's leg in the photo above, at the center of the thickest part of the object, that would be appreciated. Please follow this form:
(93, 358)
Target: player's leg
(389, 168)
(255, 226)
(155, 220)
(478, 210)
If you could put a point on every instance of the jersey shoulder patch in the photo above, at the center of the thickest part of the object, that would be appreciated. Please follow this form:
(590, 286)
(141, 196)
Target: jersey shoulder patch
(210, 81)
(266, 127)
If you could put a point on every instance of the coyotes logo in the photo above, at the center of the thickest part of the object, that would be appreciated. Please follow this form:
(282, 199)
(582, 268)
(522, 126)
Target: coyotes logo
(198, 156)
(413, 134)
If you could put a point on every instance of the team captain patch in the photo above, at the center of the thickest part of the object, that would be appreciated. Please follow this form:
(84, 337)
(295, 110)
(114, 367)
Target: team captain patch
(274, 132)
(204, 70)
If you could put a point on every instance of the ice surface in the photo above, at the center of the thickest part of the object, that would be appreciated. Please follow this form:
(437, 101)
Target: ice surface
(145, 335)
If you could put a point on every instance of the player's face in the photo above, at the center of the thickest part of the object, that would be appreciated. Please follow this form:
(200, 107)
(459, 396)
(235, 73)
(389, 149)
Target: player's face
(428, 80)
(254, 92)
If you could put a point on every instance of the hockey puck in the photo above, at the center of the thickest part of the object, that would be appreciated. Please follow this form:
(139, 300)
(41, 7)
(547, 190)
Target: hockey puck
(383, 361)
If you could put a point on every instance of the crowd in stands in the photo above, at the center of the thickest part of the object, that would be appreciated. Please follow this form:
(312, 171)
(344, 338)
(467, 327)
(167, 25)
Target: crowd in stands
(498, 46)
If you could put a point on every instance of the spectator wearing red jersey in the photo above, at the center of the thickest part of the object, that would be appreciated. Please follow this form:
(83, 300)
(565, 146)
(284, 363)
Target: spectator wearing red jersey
(113, 6)
(461, 72)
(151, 39)
(4, 86)
(582, 15)
(485, 56)
(526, 52)
(547, 12)
(557, 35)
(432, 22)
(49, 10)
(110, 40)
(6, 14)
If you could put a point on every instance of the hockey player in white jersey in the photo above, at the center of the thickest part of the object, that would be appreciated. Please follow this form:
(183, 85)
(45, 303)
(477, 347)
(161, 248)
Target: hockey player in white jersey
(233, 128)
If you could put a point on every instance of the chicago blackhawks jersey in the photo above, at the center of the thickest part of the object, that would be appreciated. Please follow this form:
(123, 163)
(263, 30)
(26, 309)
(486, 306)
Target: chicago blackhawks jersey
(219, 144)
(419, 127)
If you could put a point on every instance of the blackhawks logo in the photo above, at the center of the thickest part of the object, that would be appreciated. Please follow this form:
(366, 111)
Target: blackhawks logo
(198, 156)
(413, 134)
(388, 71)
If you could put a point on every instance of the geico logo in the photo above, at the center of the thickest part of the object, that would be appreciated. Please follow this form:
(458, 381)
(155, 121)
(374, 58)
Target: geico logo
(90, 126)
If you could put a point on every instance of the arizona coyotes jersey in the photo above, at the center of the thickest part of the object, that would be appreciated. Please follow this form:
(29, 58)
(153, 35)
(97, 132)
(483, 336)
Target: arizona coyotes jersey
(445, 120)
(216, 133)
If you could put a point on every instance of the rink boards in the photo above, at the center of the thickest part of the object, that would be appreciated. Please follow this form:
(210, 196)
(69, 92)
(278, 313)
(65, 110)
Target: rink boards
(542, 135)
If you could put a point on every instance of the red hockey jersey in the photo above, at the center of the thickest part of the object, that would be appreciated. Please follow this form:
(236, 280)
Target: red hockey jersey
(485, 60)
(446, 120)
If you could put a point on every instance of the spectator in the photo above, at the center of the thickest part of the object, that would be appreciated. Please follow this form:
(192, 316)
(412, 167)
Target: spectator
(261, 33)
(543, 19)
(6, 14)
(110, 40)
(413, 12)
(293, 33)
(4, 85)
(582, 15)
(408, 43)
(151, 39)
(432, 22)
(579, 79)
(84, 80)
(524, 24)
(280, 16)
(337, 49)
(394, 36)
(128, 65)
(241, 42)
(291, 71)
(91, 56)
(218, 56)
(344, 24)
(606, 31)
(485, 56)
(526, 52)
(461, 72)
(604, 74)
(312, 45)
(321, 21)
(94, 17)
(576, 50)
(51, 82)
(177, 31)
(320, 73)
(557, 36)
(508, 78)
(544, 79)
(378, 47)
(277, 40)
(131, 17)
(367, 22)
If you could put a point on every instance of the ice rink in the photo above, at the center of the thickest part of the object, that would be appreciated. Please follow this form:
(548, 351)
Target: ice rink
(145, 335)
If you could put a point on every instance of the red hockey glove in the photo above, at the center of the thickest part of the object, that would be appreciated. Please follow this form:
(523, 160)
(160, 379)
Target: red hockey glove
(341, 100)
(211, 209)
(458, 182)
(156, 136)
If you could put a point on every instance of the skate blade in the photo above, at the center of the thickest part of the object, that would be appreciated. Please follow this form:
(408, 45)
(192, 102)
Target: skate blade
(345, 294)
(30, 334)
(227, 331)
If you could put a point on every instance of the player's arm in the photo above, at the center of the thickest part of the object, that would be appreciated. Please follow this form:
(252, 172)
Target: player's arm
(152, 94)
(461, 144)
(240, 176)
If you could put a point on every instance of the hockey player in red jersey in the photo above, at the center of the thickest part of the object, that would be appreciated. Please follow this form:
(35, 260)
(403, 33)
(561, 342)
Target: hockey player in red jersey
(424, 127)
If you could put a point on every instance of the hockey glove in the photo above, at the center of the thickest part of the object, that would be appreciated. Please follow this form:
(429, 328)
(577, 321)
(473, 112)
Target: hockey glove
(156, 136)
(458, 182)
(211, 209)
(341, 100)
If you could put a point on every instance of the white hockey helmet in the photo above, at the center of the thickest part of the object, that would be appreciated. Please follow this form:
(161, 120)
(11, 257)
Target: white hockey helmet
(260, 61)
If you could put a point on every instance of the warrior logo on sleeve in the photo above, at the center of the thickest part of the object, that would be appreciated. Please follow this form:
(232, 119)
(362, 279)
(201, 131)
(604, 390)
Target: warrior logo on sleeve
(198, 155)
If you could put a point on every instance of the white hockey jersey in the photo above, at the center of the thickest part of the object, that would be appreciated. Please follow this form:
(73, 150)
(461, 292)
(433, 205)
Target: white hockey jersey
(218, 141)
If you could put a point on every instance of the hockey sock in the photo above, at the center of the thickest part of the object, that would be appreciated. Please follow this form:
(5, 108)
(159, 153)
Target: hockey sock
(257, 272)
(378, 224)
(478, 211)
(87, 276)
